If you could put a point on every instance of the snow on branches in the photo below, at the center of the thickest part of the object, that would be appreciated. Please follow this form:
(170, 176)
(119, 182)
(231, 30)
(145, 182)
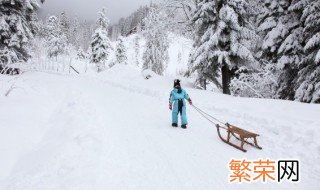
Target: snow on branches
(156, 53)
(309, 74)
(16, 29)
(56, 38)
(222, 30)
(100, 45)
(121, 52)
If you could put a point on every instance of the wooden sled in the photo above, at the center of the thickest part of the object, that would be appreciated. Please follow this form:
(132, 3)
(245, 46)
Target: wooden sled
(240, 134)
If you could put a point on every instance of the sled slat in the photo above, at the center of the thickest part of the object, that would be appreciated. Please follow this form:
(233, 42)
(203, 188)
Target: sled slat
(241, 135)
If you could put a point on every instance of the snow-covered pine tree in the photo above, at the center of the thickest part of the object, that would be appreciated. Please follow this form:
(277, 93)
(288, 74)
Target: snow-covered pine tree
(121, 52)
(75, 35)
(281, 31)
(222, 30)
(17, 27)
(81, 54)
(65, 25)
(35, 23)
(100, 45)
(308, 78)
(156, 55)
(137, 49)
(56, 39)
(272, 25)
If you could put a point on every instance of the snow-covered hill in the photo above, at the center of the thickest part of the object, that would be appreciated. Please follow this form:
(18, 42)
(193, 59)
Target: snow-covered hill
(112, 131)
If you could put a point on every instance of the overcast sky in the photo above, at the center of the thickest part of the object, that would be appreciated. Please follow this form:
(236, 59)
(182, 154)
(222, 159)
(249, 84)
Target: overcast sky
(87, 9)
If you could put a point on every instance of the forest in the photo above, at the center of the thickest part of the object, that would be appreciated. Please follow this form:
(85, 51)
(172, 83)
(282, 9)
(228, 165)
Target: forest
(247, 48)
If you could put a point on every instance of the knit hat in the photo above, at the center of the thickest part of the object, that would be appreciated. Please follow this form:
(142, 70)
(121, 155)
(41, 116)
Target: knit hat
(176, 83)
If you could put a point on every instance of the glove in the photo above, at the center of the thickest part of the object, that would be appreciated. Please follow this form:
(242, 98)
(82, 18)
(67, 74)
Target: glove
(190, 101)
(170, 106)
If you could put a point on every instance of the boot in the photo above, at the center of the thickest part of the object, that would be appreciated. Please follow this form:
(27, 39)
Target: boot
(174, 125)
(183, 126)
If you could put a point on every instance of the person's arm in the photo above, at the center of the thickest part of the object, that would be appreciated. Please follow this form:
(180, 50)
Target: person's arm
(187, 97)
(170, 101)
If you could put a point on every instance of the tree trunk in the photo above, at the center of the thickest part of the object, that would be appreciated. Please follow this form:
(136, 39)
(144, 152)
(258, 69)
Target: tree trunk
(226, 79)
(204, 84)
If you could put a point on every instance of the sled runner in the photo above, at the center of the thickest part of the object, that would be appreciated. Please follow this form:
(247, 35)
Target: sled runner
(232, 131)
(239, 134)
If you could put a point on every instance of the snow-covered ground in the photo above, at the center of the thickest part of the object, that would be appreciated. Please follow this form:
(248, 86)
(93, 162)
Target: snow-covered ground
(112, 131)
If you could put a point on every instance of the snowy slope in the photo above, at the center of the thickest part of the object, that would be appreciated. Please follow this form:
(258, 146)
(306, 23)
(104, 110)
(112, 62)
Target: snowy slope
(112, 131)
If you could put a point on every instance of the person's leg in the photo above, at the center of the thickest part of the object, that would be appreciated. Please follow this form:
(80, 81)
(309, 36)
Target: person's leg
(184, 120)
(175, 113)
(180, 105)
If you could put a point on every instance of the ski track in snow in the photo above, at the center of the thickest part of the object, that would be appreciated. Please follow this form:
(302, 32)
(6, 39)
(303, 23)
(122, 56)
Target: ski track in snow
(112, 131)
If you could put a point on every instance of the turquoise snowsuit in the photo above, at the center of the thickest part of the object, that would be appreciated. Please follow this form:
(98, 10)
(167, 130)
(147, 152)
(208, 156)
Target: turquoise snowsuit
(179, 105)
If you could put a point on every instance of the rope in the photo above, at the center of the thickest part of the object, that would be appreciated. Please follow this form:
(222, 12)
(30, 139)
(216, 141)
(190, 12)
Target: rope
(210, 117)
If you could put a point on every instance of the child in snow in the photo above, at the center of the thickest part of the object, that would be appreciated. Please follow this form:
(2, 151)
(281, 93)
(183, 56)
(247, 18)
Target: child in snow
(177, 97)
